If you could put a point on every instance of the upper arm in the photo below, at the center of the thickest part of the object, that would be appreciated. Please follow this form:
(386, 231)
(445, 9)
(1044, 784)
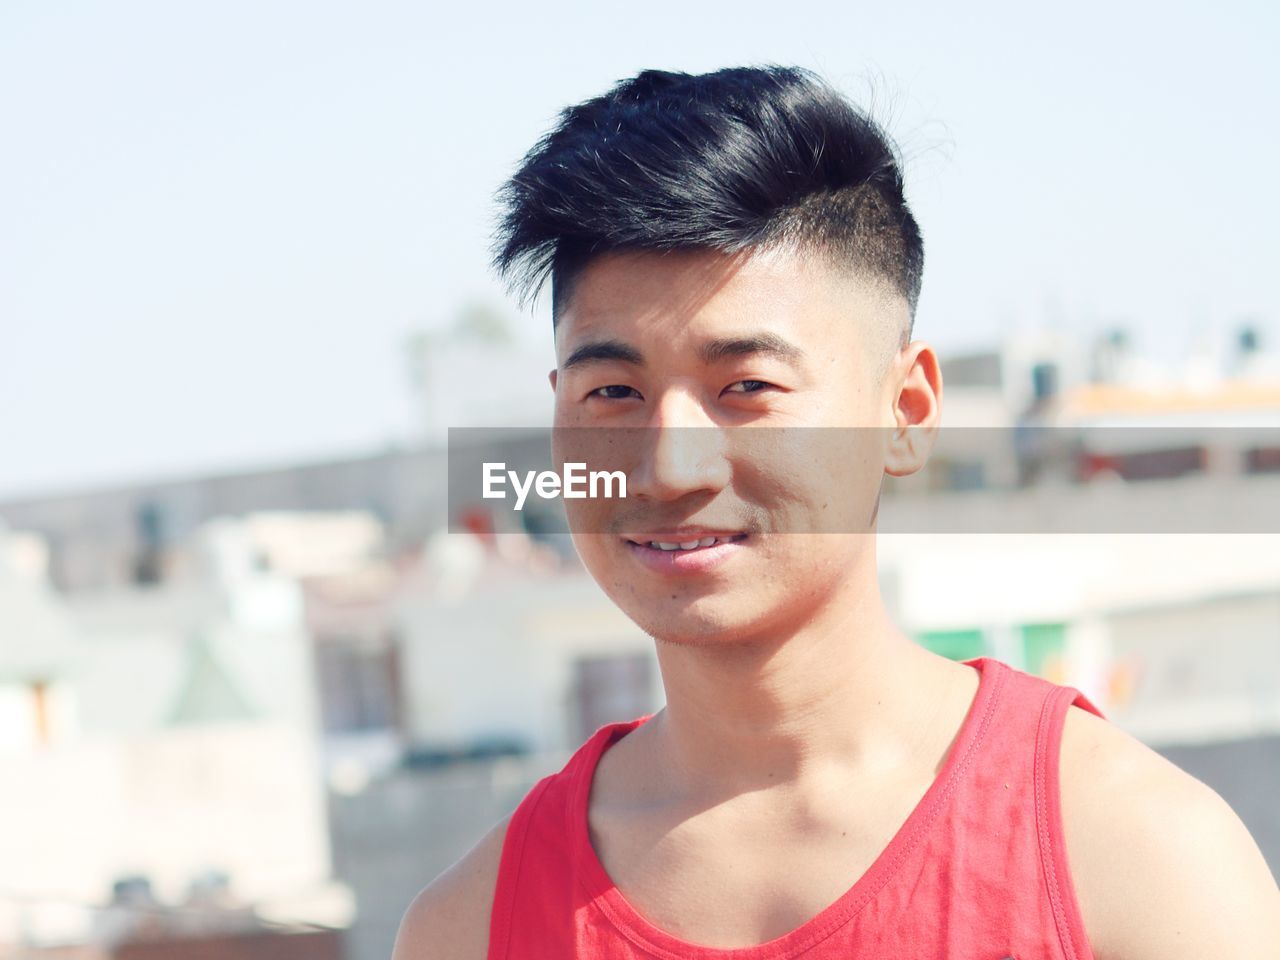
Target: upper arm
(1162, 866)
(449, 918)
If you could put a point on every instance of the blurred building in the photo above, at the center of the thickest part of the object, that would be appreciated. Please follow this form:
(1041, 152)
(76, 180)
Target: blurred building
(166, 734)
(535, 662)
(1037, 368)
(135, 535)
(479, 375)
(1177, 639)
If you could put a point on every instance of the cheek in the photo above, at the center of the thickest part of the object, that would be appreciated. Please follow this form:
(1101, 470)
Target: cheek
(806, 569)
(814, 480)
(590, 516)
(595, 551)
(798, 557)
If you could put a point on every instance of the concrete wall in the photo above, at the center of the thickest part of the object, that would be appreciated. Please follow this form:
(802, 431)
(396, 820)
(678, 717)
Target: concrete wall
(273, 945)
(398, 835)
(499, 661)
(1206, 669)
(245, 799)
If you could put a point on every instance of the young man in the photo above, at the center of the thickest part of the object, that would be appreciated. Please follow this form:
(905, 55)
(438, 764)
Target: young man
(730, 252)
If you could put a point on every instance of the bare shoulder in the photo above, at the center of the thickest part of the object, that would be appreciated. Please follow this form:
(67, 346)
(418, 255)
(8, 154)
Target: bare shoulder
(449, 918)
(1162, 866)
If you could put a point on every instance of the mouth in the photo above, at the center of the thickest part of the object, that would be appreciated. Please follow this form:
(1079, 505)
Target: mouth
(684, 553)
(683, 542)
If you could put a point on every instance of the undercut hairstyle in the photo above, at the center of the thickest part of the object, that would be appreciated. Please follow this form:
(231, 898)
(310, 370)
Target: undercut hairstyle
(741, 159)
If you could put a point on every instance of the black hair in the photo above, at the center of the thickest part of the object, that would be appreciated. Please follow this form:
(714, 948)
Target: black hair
(741, 158)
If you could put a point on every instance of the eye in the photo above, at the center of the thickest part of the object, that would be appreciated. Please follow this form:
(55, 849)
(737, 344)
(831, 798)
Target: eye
(614, 391)
(747, 386)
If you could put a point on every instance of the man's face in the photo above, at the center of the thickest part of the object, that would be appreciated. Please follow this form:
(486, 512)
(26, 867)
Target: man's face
(727, 387)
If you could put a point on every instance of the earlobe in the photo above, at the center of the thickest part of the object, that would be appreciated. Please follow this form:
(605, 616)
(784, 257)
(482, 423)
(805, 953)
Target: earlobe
(907, 450)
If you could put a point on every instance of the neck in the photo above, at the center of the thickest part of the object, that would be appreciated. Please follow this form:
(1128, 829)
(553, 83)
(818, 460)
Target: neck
(843, 689)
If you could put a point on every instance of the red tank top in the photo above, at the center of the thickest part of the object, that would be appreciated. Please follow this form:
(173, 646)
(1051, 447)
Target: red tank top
(978, 871)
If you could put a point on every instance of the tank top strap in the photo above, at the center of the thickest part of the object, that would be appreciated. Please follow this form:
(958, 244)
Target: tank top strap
(1049, 828)
(539, 890)
(1012, 808)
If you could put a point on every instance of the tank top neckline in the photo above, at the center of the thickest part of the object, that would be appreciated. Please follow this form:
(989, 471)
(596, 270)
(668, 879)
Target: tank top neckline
(644, 934)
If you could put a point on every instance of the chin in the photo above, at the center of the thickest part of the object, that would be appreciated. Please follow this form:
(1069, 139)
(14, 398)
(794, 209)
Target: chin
(717, 619)
(742, 602)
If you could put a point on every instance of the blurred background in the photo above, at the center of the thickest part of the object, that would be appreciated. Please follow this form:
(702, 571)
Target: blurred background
(253, 695)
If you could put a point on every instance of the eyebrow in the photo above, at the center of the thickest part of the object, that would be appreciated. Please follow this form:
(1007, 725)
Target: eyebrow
(770, 344)
(711, 352)
(604, 351)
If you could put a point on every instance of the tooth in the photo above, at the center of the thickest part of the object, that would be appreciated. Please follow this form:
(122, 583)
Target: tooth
(667, 546)
(707, 541)
(688, 545)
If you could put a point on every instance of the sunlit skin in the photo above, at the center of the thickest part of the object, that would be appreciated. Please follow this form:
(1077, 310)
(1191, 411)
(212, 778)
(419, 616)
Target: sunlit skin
(681, 354)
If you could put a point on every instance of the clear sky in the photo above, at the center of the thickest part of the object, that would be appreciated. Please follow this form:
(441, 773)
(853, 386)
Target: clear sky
(219, 222)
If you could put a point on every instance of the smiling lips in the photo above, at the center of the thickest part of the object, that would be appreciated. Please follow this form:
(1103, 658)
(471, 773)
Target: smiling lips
(681, 552)
(670, 543)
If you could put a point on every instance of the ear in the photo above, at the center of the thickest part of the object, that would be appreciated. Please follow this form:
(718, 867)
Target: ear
(916, 409)
(552, 378)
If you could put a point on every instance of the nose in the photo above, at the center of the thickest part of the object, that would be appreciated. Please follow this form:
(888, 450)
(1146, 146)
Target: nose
(682, 451)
